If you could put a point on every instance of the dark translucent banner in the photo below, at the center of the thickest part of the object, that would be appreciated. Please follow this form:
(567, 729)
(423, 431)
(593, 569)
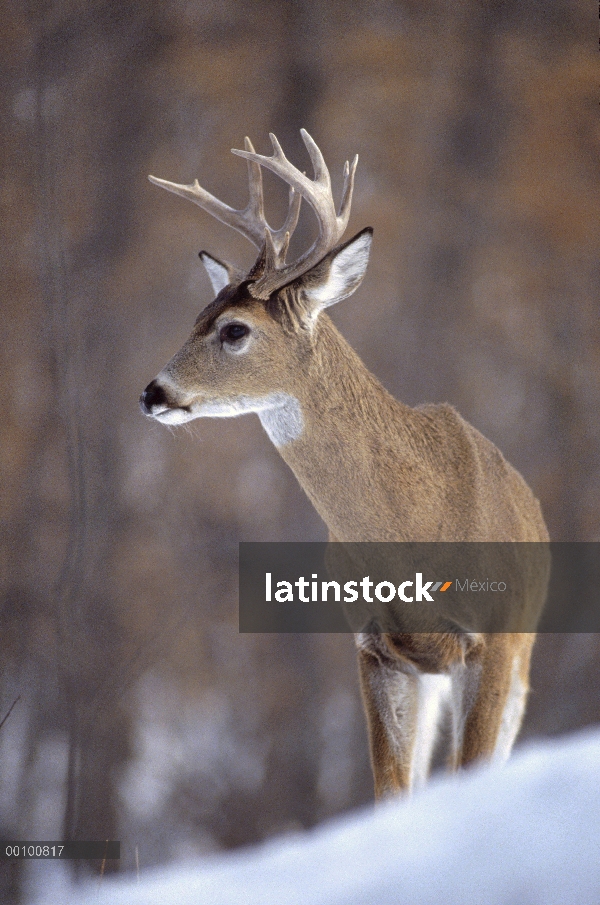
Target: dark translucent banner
(414, 587)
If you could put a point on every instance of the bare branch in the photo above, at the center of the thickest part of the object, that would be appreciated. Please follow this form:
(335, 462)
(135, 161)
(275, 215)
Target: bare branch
(6, 716)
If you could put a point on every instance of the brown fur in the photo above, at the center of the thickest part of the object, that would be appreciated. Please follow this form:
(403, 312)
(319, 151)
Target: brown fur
(377, 470)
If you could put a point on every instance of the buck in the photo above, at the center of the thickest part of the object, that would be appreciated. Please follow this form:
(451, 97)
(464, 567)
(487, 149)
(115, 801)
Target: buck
(375, 469)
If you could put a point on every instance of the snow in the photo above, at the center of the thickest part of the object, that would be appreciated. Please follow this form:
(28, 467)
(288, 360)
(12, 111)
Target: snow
(527, 833)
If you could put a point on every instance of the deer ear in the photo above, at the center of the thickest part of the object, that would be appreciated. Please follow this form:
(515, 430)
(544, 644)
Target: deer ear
(339, 274)
(219, 273)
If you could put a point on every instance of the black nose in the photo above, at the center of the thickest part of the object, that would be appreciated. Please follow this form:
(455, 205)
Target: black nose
(152, 395)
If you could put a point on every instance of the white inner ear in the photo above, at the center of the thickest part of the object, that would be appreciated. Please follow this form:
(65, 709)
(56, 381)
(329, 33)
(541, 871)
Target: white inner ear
(346, 272)
(218, 273)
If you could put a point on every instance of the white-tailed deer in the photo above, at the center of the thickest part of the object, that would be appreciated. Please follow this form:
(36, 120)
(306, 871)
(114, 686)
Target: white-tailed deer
(375, 469)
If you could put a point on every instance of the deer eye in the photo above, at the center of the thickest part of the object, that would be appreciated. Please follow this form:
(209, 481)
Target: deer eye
(233, 333)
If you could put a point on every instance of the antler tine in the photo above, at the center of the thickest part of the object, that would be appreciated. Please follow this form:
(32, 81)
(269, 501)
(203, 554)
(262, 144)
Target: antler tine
(255, 206)
(349, 171)
(291, 221)
(243, 221)
(280, 237)
(317, 160)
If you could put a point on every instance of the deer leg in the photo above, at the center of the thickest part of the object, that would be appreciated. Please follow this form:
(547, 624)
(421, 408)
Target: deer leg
(493, 695)
(514, 708)
(434, 693)
(391, 704)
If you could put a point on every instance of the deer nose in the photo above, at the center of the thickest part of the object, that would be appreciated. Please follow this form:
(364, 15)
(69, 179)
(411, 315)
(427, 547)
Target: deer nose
(153, 395)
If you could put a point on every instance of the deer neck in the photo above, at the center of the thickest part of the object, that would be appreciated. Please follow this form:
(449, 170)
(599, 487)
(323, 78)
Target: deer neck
(347, 440)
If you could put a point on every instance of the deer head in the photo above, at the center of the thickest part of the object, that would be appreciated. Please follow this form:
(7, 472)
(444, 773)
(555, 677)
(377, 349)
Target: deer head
(250, 344)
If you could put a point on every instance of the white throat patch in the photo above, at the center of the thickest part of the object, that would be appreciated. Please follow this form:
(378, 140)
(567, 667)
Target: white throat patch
(282, 418)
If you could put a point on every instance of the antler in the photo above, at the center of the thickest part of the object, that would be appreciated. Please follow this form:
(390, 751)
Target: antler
(271, 270)
(318, 193)
(250, 221)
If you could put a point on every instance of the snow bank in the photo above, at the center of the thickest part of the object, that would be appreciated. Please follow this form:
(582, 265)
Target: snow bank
(524, 834)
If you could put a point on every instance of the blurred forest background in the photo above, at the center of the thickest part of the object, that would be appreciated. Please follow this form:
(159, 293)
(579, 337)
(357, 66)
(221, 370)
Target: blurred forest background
(143, 715)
